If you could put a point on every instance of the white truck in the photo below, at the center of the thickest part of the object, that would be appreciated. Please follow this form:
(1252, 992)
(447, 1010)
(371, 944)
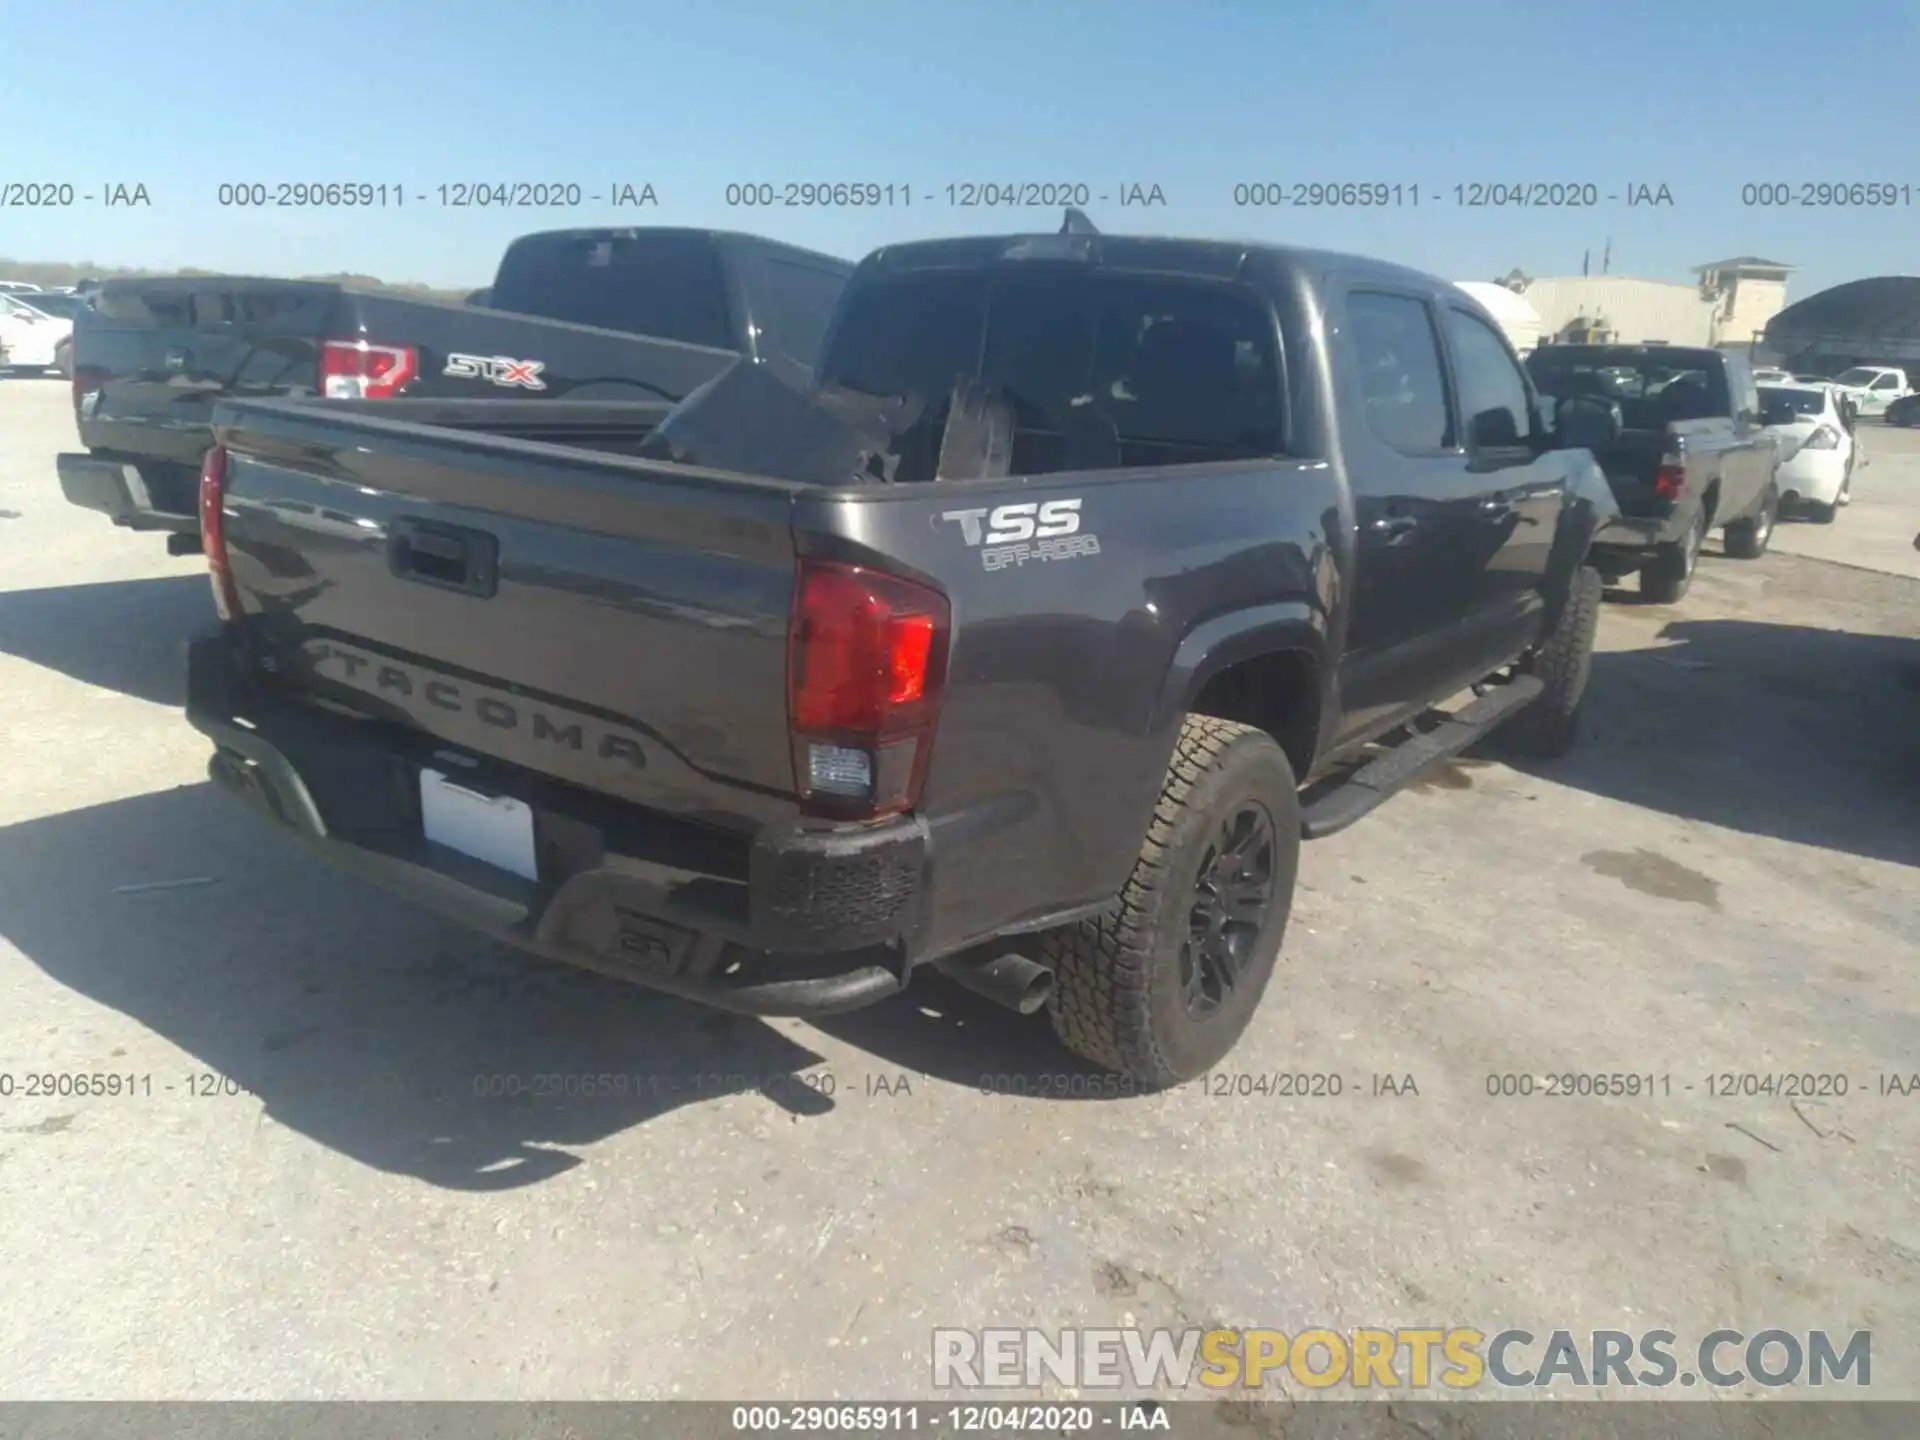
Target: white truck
(1872, 388)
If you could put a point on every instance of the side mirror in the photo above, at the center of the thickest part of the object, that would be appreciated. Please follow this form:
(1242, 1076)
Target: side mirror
(1493, 429)
(1585, 422)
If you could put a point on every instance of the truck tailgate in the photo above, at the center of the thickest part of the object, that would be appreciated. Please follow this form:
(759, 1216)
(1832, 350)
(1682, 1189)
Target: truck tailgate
(607, 621)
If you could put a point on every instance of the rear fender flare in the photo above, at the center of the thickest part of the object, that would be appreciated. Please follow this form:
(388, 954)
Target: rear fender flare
(1213, 645)
(1590, 507)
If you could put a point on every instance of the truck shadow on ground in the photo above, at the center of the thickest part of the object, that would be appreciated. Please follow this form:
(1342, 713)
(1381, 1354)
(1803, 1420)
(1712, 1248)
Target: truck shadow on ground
(360, 1022)
(944, 1032)
(1801, 734)
(378, 1030)
(122, 635)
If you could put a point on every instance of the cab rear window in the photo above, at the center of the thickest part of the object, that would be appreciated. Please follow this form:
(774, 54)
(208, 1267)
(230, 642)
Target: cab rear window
(1096, 369)
(664, 284)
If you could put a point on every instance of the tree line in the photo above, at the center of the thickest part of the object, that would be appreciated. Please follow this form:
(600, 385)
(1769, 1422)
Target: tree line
(56, 272)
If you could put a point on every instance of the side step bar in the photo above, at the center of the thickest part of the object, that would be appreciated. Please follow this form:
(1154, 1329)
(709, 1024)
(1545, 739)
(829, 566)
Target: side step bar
(1384, 775)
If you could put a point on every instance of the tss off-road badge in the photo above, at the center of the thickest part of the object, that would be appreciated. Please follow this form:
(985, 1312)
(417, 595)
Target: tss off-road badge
(1014, 534)
(498, 370)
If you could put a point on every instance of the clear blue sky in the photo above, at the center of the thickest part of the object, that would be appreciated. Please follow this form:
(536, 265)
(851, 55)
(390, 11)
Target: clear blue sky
(1190, 95)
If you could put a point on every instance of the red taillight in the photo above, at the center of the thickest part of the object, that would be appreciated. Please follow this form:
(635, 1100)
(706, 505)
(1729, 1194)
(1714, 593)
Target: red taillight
(361, 370)
(1670, 481)
(867, 661)
(213, 530)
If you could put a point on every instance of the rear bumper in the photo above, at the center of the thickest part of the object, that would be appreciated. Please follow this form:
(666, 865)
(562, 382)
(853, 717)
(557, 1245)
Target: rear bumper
(1814, 475)
(1636, 537)
(797, 922)
(118, 490)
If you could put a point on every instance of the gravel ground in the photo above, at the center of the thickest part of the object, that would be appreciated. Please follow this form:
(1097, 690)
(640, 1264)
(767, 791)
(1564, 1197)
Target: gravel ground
(316, 1198)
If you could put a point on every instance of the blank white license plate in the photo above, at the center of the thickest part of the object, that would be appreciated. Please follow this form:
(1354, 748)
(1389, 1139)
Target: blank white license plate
(493, 828)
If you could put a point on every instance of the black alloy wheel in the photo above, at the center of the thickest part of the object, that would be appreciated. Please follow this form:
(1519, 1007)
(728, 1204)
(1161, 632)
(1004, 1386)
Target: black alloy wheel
(1231, 896)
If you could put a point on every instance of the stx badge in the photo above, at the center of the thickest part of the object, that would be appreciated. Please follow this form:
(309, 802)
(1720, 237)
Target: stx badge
(498, 370)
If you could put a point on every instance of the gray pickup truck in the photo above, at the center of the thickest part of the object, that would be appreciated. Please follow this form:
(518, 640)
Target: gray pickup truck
(574, 318)
(1089, 577)
(1691, 454)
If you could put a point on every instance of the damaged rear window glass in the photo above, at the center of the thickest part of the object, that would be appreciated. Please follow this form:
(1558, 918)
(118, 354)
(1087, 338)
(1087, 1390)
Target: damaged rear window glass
(1087, 369)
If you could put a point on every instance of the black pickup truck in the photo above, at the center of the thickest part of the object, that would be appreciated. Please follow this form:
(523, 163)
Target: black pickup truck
(1691, 454)
(1090, 577)
(581, 317)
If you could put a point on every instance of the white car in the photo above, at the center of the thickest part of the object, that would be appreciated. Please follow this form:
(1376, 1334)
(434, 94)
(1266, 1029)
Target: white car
(1817, 451)
(1772, 377)
(1873, 387)
(34, 342)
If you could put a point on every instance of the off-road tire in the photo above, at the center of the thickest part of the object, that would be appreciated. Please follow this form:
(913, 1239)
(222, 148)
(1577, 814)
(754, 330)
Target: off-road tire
(1669, 574)
(1548, 727)
(1747, 539)
(1118, 998)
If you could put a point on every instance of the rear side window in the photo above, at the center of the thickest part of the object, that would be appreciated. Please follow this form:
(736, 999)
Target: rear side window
(1402, 385)
(1096, 369)
(802, 299)
(668, 285)
(1493, 389)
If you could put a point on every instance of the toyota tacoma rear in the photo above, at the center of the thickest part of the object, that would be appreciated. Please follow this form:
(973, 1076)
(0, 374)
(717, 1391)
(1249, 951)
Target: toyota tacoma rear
(1089, 577)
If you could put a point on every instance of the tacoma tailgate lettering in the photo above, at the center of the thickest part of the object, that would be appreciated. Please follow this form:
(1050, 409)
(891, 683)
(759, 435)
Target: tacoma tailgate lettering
(550, 725)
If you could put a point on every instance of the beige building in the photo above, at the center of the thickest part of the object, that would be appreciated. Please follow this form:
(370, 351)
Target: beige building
(1754, 292)
(1729, 304)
